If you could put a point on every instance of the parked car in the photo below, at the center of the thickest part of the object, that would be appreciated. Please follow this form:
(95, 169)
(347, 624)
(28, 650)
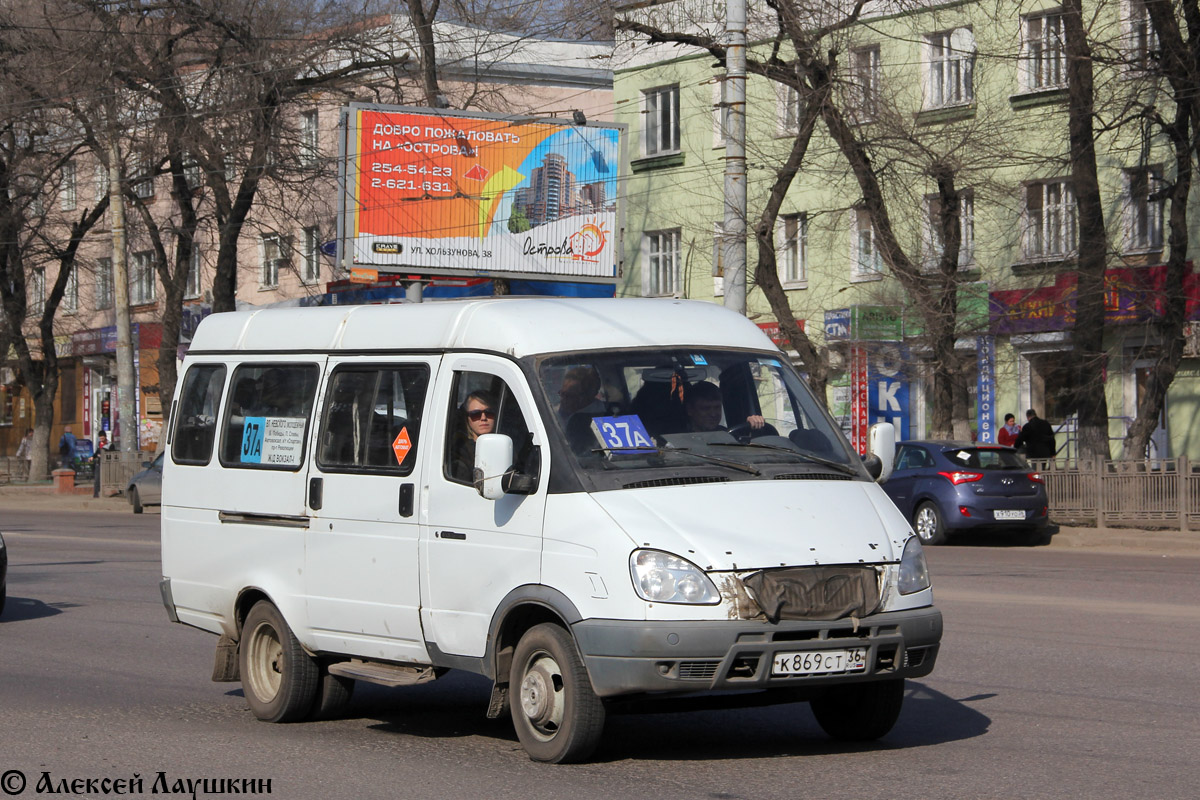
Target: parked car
(145, 487)
(3, 573)
(945, 486)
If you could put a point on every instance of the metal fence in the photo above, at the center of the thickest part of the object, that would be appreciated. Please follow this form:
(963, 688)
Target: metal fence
(1155, 493)
(116, 468)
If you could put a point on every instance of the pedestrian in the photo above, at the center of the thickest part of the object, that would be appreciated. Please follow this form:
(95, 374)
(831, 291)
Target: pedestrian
(101, 446)
(66, 448)
(25, 455)
(1037, 437)
(1009, 433)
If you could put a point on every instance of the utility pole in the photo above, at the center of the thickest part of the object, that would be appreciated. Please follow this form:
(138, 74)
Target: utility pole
(125, 376)
(734, 99)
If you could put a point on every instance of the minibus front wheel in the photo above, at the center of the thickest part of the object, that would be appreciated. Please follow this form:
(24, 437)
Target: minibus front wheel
(558, 717)
(279, 678)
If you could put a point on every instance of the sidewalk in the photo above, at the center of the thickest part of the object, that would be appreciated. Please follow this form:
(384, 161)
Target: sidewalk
(41, 497)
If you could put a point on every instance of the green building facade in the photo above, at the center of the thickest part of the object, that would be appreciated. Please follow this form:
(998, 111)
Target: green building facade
(977, 86)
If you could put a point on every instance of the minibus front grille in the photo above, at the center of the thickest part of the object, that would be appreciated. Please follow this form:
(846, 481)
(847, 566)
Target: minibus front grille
(698, 670)
(675, 481)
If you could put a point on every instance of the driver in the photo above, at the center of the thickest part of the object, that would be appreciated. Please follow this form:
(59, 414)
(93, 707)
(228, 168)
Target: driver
(702, 404)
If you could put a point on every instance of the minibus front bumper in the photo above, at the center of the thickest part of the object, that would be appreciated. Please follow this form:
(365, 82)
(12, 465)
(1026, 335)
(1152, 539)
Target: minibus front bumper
(628, 657)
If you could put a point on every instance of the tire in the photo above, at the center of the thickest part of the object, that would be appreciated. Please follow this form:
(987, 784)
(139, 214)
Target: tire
(859, 712)
(278, 678)
(928, 524)
(135, 500)
(559, 719)
(333, 695)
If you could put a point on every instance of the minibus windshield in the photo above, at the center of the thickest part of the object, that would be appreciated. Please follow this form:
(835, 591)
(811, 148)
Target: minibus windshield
(735, 411)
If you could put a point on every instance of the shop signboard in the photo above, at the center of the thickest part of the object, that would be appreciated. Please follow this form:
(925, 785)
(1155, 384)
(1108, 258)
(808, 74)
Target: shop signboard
(888, 388)
(451, 193)
(777, 336)
(877, 323)
(837, 325)
(985, 395)
(859, 399)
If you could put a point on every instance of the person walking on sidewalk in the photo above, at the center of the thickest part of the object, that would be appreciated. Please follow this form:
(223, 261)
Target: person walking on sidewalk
(25, 455)
(1037, 436)
(101, 446)
(66, 448)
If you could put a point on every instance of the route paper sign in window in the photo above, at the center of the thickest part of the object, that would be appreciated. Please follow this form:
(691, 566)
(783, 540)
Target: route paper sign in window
(449, 193)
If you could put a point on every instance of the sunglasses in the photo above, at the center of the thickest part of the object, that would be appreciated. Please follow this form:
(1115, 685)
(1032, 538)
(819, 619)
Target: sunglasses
(479, 413)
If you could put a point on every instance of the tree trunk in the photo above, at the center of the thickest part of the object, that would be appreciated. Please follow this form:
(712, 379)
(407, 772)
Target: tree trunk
(422, 19)
(1088, 359)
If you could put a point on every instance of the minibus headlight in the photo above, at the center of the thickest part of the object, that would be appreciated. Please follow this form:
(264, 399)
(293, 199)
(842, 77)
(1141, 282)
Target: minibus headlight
(663, 578)
(914, 572)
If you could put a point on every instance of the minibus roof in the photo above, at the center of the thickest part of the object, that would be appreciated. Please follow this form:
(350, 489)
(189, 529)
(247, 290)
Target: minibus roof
(516, 326)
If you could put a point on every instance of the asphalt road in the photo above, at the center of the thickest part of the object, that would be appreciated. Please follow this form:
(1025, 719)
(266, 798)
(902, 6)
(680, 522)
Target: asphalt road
(1063, 675)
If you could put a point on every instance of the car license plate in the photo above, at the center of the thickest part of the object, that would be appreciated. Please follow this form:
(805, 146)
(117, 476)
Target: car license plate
(819, 662)
(1018, 514)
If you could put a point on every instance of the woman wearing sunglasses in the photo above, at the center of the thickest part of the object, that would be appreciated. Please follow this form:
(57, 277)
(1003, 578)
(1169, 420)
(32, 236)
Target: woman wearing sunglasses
(478, 417)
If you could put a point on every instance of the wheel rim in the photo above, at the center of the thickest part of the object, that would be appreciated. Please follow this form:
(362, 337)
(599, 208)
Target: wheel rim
(542, 695)
(265, 662)
(926, 523)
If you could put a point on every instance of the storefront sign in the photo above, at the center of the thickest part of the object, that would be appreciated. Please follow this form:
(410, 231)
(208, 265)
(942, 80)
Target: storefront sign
(859, 399)
(888, 388)
(837, 324)
(985, 349)
(1131, 295)
(777, 336)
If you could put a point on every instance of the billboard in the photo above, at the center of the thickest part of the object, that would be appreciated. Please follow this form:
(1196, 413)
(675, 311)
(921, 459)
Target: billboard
(439, 192)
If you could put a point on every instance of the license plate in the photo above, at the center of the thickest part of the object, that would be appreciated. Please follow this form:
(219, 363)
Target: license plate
(1009, 514)
(819, 662)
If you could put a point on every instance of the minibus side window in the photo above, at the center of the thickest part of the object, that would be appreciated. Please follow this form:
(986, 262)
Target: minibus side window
(266, 416)
(372, 420)
(476, 392)
(196, 418)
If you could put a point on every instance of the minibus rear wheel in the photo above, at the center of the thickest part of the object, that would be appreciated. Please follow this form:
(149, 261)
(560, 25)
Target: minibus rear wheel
(859, 712)
(559, 719)
(279, 678)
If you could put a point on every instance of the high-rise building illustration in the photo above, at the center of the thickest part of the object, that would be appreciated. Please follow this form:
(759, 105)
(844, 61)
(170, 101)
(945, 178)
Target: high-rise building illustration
(553, 193)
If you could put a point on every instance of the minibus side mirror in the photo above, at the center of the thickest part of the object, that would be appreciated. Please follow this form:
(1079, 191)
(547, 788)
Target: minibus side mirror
(493, 458)
(881, 449)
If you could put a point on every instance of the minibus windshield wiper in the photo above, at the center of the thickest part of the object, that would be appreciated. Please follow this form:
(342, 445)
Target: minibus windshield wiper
(840, 467)
(685, 451)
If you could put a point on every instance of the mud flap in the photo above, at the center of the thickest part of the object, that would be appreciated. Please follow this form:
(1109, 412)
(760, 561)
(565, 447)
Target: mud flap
(498, 704)
(225, 663)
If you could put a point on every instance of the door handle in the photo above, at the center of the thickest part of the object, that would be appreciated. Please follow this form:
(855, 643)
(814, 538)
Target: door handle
(316, 491)
(406, 500)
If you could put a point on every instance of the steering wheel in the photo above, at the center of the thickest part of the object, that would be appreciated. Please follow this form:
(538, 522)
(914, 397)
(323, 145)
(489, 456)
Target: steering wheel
(744, 432)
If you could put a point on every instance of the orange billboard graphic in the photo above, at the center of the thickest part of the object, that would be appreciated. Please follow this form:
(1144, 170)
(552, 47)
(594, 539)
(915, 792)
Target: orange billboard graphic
(453, 194)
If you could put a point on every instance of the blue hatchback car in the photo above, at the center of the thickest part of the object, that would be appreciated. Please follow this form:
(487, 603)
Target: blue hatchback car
(945, 486)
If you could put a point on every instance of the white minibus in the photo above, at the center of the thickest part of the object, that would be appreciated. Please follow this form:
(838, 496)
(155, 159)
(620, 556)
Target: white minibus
(579, 499)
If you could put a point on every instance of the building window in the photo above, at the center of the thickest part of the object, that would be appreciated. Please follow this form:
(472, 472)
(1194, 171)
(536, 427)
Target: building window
(143, 181)
(1051, 230)
(1141, 39)
(935, 244)
(951, 59)
(70, 301)
(866, 77)
(867, 263)
(193, 289)
(66, 189)
(312, 256)
(101, 181)
(272, 260)
(661, 259)
(193, 174)
(1044, 52)
(1144, 205)
(141, 279)
(720, 113)
(661, 111)
(104, 283)
(793, 249)
(309, 141)
(37, 291)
